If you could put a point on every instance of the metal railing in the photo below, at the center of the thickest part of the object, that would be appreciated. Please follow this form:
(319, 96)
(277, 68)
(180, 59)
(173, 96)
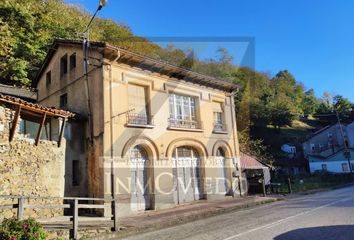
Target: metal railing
(219, 127)
(321, 148)
(188, 124)
(74, 204)
(139, 119)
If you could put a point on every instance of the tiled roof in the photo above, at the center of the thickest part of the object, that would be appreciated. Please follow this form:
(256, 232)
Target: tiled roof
(54, 112)
(248, 162)
(24, 93)
(145, 62)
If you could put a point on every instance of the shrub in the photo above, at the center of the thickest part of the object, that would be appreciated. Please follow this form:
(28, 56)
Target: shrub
(29, 229)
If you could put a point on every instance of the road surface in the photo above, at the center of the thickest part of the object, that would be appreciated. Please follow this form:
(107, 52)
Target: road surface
(321, 216)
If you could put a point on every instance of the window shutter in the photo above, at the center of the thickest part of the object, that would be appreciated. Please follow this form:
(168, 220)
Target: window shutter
(137, 99)
(217, 107)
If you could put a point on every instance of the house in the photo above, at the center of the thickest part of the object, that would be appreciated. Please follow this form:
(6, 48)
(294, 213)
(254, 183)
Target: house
(330, 148)
(335, 163)
(32, 161)
(151, 134)
(26, 94)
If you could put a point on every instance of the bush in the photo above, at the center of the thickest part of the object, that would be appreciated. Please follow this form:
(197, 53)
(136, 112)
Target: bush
(29, 229)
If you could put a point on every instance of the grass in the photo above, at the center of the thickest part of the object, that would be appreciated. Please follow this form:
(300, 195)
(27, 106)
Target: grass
(315, 182)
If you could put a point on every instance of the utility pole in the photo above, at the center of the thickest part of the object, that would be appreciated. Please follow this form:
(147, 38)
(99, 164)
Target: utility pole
(85, 48)
(346, 150)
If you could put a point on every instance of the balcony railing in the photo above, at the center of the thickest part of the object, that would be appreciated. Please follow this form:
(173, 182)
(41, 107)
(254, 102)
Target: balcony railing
(139, 119)
(219, 127)
(187, 124)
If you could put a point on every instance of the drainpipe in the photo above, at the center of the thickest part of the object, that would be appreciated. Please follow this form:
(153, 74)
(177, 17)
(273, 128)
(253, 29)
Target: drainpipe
(113, 181)
(234, 134)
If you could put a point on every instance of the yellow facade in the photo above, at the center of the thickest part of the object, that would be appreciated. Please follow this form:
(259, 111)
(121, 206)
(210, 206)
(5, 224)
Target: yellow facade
(123, 126)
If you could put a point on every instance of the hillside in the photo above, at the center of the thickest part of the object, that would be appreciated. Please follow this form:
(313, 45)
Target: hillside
(28, 27)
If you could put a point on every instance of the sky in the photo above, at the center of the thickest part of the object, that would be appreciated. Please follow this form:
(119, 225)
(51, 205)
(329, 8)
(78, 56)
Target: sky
(313, 39)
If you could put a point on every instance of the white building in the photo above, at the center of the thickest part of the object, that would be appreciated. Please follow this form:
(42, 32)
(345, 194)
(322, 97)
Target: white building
(326, 149)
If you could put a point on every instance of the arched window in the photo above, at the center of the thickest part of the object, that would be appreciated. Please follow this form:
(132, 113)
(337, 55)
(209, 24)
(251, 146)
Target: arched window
(138, 152)
(220, 152)
(185, 152)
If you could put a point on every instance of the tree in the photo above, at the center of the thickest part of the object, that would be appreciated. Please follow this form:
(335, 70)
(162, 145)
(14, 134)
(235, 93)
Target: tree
(343, 106)
(309, 102)
(280, 115)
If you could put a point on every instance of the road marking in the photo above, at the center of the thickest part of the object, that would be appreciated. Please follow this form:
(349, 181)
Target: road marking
(270, 225)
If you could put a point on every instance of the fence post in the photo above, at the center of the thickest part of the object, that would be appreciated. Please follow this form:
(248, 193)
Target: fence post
(289, 186)
(21, 209)
(263, 187)
(115, 215)
(75, 218)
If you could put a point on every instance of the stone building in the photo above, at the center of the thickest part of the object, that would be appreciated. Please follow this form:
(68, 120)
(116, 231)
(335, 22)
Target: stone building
(32, 154)
(153, 135)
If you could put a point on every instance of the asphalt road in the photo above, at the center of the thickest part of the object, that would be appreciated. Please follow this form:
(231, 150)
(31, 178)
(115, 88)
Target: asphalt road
(322, 216)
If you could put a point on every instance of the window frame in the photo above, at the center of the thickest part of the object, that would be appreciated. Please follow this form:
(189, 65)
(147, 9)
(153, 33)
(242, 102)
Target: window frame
(72, 61)
(345, 167)
(48, 78)
(63, 96)
(63, 65)
(182, 104)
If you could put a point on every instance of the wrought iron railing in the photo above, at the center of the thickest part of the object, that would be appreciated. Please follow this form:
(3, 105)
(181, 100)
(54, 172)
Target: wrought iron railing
(139, 119)
(219, 127)
(180, 123)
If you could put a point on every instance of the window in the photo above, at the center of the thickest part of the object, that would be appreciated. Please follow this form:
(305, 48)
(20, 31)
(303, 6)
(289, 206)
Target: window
(72, 61)
(63, 101)
(63, 65)
(324, 167)
(220, 152)
(182, 111)
(345, 167)
(48, 78)
(218, 113)
(76, 173)
(138, 106)
(312, 147)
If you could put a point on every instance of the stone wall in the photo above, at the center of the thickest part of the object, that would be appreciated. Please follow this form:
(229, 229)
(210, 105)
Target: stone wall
(29, 170)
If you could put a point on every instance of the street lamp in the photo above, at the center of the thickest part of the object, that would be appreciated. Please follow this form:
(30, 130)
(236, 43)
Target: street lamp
(102, 3)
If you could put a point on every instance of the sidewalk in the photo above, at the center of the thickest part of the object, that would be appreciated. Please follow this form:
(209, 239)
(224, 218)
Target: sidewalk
(152, 220)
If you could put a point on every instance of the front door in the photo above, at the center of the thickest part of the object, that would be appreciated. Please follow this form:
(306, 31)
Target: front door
(139, 166)
(221, 180)
(187, 179)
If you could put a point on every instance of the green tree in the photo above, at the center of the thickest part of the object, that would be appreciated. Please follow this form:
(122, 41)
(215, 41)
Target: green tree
(309, 102)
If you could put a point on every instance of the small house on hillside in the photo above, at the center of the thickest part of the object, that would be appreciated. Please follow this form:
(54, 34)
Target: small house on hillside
(331, 149)
(339, 162)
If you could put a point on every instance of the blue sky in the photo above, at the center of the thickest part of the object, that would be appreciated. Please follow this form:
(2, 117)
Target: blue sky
(313, 39)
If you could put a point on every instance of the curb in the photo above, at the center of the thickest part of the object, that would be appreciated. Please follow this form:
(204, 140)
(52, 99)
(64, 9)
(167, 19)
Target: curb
(125, 232)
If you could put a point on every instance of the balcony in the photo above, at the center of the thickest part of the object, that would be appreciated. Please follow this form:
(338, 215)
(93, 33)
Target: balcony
(139, 120)
(186, 125)
(220, 128)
